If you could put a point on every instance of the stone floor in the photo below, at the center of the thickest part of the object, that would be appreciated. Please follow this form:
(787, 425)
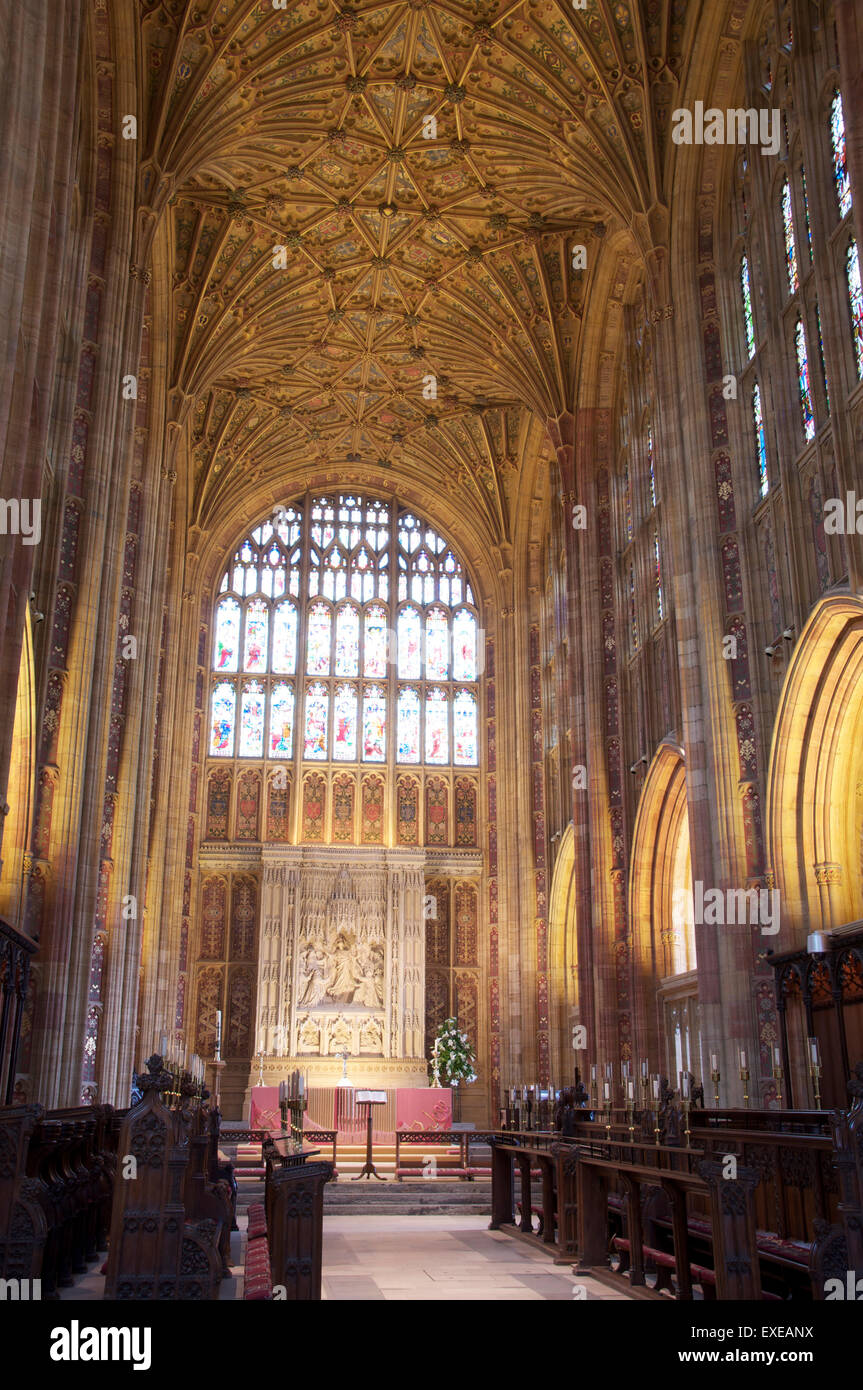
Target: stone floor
(449, 1258)
(442, 1258)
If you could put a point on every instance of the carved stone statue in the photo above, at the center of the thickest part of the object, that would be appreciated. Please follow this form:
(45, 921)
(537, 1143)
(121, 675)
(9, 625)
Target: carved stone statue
(310, 1036)
(312, 981)
(340, 1038)
(371, 1036)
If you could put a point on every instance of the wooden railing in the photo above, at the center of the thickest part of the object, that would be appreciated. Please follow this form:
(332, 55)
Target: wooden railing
(438, 1145)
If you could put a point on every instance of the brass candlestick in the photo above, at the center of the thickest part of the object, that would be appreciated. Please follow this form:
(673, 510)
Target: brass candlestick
(656, 1127)
(744, 1077)
(815, 1073)
(630, 1113)
(715, 1077)
(778, 1074)
(686, 1130)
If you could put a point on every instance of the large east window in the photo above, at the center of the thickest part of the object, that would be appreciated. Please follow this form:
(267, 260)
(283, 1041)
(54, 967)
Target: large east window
(345, 631)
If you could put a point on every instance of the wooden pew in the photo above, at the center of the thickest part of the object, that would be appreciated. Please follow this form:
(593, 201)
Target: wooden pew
(294, 1207)
(155, 1251)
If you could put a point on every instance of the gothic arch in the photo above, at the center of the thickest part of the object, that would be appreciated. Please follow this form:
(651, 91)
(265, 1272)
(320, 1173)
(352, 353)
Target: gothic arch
(815, 782)
(563, 952)
(660, 868)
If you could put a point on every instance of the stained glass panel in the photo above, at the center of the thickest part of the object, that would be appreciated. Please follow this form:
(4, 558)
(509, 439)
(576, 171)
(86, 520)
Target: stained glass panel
(375, 645)
(285, 639)
(805, 193)
(347, 641)
(760, 440)
(464, 646)
(374, 724)
(227, 635)
(855, 300)
(252, 720)
(464, 728)
(840, 155)
(437, 645)
(409, 644)
(345, 723)
(257, 631)
(282, 721)
(657, 578)
(748, 318)
(318, 640)
(408, 749)
(651, 471)
(804, 387)
(223, 713)
(317, 711)
(437, 730)
(791, 269)
(821, 355)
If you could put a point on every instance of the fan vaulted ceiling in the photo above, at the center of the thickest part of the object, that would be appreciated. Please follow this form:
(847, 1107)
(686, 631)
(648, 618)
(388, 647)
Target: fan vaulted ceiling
(371, 211)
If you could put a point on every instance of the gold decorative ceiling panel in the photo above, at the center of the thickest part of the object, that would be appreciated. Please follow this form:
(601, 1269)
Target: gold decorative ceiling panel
(371, 215)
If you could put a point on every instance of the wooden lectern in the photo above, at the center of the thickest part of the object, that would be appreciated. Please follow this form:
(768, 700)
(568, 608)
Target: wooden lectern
(369, 1099)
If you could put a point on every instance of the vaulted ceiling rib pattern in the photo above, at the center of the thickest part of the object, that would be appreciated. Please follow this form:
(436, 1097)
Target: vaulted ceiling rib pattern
(426, 169)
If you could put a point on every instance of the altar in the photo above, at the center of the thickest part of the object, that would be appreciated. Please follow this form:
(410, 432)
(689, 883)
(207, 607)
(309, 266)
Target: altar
(416, 1108)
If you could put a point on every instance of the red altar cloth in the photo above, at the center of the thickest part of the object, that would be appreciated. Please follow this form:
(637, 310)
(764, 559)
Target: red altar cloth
(423, 1107)
(264, 1110)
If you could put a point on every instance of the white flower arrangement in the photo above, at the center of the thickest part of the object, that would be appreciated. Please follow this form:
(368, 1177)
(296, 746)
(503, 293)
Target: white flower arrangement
(452, 1060)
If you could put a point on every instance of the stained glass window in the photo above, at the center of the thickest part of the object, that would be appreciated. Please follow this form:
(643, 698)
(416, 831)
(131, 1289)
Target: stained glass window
(840, 156)
(347, 641)
(464, 728)
(345, 723)
(317, 712)
(345, 548)
(374, 724)
(285, 639)
(252, 720)
(408, 734)
(657, 578)
(855, 300)
(651, 471)
(318, 640)
(227, 635)
(376, 638)
(257, 629)
(437, 727)
(806, 209)
(223, 713)
(282, 721)
(760, 440)
(464, 654)
(821, 355)
(437, 645)
(409, 644)
(791, 269)
(633, 619)
(804, 387)
(748, 317)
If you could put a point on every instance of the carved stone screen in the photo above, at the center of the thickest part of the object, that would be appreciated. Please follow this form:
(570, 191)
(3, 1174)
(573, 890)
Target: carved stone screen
(342, 963)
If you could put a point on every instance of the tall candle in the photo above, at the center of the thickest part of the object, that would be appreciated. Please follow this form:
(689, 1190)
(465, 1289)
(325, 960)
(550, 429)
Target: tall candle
(742, 1059)
(218, 1030)
(684, 1085)
(593, 1073)
(777, 1055)
(606, 1090)
(714, 1061)
(656, 1088)
(163, 1045)
(644, 1068)
(630, 1088)
(261, 1041)
(814, 1054)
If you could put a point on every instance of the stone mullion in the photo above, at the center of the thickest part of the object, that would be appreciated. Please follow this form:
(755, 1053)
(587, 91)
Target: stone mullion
(576, 722)
(512, 809)
(492, 881)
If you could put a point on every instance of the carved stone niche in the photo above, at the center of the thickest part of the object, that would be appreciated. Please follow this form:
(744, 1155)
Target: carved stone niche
(343, 967)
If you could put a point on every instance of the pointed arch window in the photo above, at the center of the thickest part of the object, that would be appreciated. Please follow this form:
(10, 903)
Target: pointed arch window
(855, 302)
(804, 386)
(841, 179)
(748, 316)
(760, 441)
(311, 659)
(657, 578)
(792, 271)
(651, 468)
